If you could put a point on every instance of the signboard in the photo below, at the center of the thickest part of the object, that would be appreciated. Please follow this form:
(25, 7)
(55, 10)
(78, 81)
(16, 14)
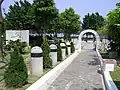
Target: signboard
(109, 64)
(17, 34)
(109, 67)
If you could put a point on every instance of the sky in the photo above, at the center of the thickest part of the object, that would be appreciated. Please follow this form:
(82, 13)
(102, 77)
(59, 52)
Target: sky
(81, 7)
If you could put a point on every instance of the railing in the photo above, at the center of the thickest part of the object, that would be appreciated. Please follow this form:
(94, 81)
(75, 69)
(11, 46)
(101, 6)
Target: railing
(109, 84)
(100, 60)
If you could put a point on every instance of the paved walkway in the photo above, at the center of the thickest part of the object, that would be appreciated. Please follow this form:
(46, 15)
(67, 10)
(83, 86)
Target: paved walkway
(81, 74)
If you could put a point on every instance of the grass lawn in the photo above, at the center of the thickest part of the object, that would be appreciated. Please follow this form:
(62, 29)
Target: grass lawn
(104, 55)
(116, 76)
(31, 79)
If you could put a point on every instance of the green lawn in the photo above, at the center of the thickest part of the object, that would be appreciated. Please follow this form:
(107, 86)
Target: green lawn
(104, 55)
(116, 77)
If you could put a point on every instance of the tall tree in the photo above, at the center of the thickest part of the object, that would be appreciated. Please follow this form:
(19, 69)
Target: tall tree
(45, 14)
(20, 16)
(1, 1)
(114, 25)
(104, 28)
(1, 21)
(118, 5)
(69, 22)
(93, 21)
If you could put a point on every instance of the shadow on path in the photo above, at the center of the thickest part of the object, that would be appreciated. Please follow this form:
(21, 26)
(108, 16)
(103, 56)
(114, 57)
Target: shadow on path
(94, 61)
(97, 89)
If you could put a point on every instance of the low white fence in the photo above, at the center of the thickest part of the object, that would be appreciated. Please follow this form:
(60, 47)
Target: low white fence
(109, 83)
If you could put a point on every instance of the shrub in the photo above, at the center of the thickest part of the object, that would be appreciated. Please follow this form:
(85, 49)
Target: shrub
(20, 44)
(59, 52)
(47, 62)
(26, 49)
(72, 47)
(66, 51)
(113, 46)
(16, 74)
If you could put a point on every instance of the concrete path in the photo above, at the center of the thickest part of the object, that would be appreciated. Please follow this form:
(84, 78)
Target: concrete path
(81, 74)
(88, 45)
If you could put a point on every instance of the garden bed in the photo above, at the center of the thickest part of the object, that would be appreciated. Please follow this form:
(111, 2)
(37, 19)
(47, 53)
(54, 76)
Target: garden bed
(116, 77)
(105, 55)
(31, 79)
(116, 74)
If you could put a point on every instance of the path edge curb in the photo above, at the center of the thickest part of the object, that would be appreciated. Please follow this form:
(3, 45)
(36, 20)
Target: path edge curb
(107, 81)
(45, 81)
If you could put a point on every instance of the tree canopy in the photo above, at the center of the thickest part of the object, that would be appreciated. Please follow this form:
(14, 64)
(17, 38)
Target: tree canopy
(93, 21)
(19, 16)
(45, 14)
(69, 21)
(42, 16)
(114, 25)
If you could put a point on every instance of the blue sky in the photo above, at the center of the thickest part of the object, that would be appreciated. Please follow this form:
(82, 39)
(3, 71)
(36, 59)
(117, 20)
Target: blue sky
(82, 7)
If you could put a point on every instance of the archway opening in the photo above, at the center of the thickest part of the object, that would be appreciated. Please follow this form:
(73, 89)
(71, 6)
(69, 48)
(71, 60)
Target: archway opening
(89, 32)
(88, 41)
(88, 37)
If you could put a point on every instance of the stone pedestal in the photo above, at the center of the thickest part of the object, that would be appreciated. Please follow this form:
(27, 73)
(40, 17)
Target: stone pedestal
(63, 47)
(53, 54)
(36, 61)
(69, 48)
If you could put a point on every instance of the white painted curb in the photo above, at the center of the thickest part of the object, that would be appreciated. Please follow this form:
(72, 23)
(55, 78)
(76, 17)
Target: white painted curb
(101, 66)
(110, 85)
(108, 82)
(44, 82)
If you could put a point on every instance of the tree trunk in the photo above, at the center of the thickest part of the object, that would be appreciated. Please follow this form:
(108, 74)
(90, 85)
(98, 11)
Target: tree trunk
(1, 19)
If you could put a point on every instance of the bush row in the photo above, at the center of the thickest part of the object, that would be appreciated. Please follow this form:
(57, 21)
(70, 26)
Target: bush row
(16, 73)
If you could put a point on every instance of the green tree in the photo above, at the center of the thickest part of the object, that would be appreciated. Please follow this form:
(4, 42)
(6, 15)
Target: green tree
(47, 62)
(93, 21)
(104, 28)
(1, 1)
(16, 74)
(45, 15)
(118, 5)
(114, 25)
(1, 21)
(20, 16)
(69, 22)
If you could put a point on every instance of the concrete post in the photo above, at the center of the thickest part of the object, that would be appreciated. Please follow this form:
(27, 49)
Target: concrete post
(53, 54)
(63, 47)
(36, 61)
(69, 48)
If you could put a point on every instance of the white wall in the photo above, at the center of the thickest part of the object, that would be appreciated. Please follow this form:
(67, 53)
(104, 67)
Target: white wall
(17, 34)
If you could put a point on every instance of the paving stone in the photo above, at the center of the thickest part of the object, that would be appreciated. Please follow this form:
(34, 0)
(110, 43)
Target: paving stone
(81, 74)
